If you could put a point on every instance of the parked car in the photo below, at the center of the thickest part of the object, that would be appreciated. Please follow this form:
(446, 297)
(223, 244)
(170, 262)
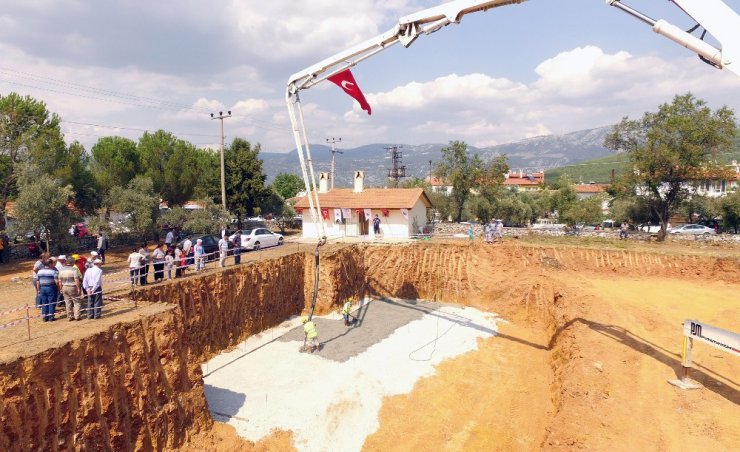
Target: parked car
(254, 239)
(693, 229)
(210, 244)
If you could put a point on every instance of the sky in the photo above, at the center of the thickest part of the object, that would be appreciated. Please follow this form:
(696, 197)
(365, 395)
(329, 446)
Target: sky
(540, 67)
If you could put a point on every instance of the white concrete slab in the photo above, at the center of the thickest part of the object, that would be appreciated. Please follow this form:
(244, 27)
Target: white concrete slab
(267, 384)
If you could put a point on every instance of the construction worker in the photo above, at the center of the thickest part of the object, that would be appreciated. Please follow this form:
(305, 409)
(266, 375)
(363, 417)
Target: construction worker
(346, 310)
(312, 337)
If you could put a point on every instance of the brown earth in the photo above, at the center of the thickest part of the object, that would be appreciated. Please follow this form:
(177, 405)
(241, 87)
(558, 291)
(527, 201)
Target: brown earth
(594, 335)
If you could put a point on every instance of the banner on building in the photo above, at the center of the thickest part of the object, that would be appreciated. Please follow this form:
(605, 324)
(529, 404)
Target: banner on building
(405, 213)
(337, 215)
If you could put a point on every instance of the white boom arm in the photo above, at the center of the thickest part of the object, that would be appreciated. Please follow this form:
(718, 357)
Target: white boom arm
(714, 16)
(406, 31)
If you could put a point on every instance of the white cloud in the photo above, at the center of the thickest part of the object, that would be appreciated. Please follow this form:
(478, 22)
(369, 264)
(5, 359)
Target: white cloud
(280, 31)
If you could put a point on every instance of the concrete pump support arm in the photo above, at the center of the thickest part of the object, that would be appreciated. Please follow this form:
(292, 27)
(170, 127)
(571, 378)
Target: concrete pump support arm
(714, 16)
(406, 31)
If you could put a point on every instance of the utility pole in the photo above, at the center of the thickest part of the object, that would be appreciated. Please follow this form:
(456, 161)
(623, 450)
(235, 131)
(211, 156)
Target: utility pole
(333, 141)
(397, 170)
(221, 116)
(430, 173)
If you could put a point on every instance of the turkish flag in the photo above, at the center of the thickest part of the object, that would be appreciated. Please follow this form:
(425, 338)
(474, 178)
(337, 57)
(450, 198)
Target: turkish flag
(346, 81)
(325, 213)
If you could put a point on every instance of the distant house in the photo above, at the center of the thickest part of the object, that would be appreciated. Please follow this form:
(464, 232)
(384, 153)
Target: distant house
(584, 191)
(715, 188)
(524, 181)
(440, 186)
(347, 212)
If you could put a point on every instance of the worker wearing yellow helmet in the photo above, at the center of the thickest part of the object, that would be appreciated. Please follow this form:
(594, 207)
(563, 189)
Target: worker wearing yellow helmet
(346, 310)
(312, 337)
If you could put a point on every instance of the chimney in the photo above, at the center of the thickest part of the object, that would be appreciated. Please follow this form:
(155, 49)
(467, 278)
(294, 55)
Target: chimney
(323, 182)
(359, 181)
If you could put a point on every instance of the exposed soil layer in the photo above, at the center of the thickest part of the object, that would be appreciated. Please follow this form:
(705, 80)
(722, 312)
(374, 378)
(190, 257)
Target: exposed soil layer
(594, 334)
(223, 308)
(130, 387)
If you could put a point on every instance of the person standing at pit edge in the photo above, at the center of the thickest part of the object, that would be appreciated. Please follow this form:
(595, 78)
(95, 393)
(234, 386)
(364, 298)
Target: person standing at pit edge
(102, 245)
(134, 266)
(70, 278)
(47, 285)
(376, 225)
(312, 337)
(223, 251)
(200, 259)
(238, 247)
(93, 285)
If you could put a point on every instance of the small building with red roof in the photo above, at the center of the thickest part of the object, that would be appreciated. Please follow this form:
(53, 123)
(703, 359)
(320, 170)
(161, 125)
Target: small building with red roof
(349, 212)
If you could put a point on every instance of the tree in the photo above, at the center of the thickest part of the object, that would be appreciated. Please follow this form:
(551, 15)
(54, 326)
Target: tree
(730, 206)
(281, 211)
(288, 185)
(115, 162)
(75, 172)
(207, 220)
(207, 183)
(587, 210)
(443, 205)
(633, 209)
(245, 181)
(42, 204)
(28, 133)
(139, 201)
(171, 163)
(460, 170)
(670, 149)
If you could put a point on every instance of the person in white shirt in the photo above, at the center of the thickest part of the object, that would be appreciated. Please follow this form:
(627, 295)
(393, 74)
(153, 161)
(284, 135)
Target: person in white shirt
(187, 250)
(223, 250)
(134, 264)
(92, 283)
(169, 261)
(158, 259)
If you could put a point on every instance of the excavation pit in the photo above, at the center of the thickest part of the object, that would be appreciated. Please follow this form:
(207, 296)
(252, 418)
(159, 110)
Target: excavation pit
(317, 396)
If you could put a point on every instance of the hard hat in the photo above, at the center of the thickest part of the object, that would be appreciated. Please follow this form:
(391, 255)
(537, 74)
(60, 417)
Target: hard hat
(304, 319)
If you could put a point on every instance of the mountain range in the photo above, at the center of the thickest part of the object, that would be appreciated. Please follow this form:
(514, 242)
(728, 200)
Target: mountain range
(531, 154)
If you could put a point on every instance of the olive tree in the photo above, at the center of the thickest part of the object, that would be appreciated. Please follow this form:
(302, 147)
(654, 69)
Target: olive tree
(671, 149)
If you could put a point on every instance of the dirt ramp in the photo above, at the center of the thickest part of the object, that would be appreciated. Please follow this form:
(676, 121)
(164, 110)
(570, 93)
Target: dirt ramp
(129, 388)
(221, 309)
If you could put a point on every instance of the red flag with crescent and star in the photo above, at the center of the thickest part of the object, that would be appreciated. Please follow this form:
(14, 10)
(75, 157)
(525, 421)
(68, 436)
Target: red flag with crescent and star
(346, 81)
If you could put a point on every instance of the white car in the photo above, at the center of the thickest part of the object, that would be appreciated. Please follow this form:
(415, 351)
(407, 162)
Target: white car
(254, 239)
(694, 229)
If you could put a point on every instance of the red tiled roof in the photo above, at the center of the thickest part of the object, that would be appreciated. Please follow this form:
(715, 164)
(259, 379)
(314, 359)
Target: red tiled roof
(437, 182)
(370, 198)
(591, 188)
(516, 179)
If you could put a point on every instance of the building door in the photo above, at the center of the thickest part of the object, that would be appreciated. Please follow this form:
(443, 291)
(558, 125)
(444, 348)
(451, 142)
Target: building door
(364, 228)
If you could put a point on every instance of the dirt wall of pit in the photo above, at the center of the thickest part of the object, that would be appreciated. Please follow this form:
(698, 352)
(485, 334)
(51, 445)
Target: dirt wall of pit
(131, 387)
(221, 309)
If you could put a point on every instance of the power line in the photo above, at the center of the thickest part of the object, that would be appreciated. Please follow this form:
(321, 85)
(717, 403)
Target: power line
(137, 129)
